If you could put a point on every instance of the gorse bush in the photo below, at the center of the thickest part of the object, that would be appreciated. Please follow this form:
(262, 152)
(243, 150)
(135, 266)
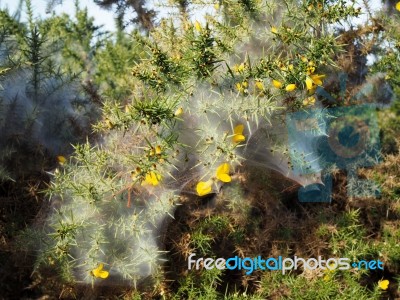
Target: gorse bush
(44, 106)
(193, 106)
(184, 107)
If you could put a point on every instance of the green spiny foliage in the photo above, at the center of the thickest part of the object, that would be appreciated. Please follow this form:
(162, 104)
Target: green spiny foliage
(43, 105)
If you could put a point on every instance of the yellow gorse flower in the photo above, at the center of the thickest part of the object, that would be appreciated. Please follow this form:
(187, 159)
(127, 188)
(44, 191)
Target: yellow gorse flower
(238, 68)
(310, 66)
(276, 83)
(383, 284)
(328, 272)
(290, 87)
(223, 173)
(286, 68)
(317, 79)
(158, 150)
(152, 178)
(314, 80)
(61, 159)
(309, 101)
(197, 26)
(310, 70)
(309, 83)
(178, 112)
(259, 85)
(238, 134)
(99, 272)
(204, 187)
(274, 30)
(109, 124)
(241, 86)
(398, 6)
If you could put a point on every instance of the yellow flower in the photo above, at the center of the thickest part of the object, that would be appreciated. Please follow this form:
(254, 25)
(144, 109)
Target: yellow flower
(178, 112)
(197, 26)
(303, 59)
(216, 6)
(398, 6)
(204, 187)
(331, 268)
(61, 159)
(383, 284)
(317, 79)
(313, 80)
(99, 272)
(158, 149)
(239, 87)
(241, 67)
(238, 68)
(223, 173)
(151, 152)
(290, 87)
(309, 83)
(274, 30)
(259, 85)
(238, 134)
(309, 101)
(135, 173)
(310, 70)
(329, 272)
(277, 84)
(152, 178)
(109, 124)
